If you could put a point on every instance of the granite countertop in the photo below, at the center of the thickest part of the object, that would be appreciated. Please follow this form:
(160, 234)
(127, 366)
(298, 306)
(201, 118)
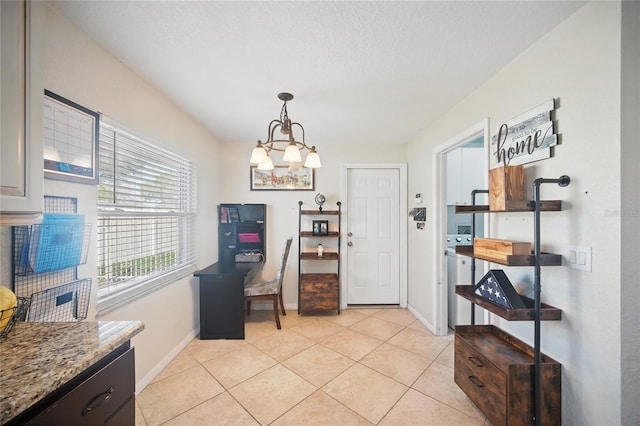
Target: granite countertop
(36, 358)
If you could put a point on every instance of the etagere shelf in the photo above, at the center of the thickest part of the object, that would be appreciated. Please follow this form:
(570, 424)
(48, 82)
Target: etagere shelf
(486, 355)
(319, 291)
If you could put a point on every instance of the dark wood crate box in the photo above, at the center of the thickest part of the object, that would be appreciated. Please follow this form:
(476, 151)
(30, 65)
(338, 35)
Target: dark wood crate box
(319, 292)
(496, 371)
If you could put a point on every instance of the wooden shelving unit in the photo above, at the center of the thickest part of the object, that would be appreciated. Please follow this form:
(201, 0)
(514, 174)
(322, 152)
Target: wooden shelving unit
(319, 291)
(492, 366)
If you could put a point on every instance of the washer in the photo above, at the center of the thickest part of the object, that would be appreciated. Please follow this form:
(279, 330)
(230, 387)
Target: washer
(459, 273)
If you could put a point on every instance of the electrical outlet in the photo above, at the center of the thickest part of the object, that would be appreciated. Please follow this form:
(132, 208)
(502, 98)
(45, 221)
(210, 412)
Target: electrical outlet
(579, 257)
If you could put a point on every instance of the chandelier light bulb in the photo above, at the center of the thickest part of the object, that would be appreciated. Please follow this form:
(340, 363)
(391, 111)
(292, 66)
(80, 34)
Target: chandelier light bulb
(313, 159)
(292, 153)
(267, 164)
(258, 155)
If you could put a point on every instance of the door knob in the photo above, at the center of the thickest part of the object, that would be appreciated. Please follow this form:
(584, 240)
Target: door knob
(350, 234)
(349, 243)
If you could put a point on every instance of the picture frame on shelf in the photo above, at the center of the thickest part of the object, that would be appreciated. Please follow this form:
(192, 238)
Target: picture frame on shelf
(320, 227)
(282, 178)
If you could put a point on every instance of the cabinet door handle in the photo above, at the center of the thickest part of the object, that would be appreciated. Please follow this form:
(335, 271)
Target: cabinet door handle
(98, 401)
(475, 361)
(476, 381)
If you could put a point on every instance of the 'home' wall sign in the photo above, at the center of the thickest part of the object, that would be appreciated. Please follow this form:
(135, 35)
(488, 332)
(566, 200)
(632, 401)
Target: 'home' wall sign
(524, 139)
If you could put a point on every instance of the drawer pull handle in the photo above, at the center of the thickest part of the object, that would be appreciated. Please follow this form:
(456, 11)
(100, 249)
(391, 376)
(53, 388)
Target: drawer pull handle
(98, 401)
(476, 381)
(476, 362)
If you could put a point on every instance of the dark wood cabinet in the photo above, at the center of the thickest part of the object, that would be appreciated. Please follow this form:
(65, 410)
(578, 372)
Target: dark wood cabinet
(319, 292)
(495, 370)
(103, 394)
(319, 288)
(241, 228)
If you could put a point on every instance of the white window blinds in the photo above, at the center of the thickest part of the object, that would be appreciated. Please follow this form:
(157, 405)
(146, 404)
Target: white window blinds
(146, 208)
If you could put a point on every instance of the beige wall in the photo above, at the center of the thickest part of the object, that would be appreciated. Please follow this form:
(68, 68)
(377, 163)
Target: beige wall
(282, 206)
(80, 70)
(579, 64)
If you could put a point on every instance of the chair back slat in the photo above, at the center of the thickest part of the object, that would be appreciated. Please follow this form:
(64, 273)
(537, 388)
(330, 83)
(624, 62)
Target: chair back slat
(283, 262)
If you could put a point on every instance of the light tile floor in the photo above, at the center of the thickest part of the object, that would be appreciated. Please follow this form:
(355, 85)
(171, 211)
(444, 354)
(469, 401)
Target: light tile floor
(362, 367)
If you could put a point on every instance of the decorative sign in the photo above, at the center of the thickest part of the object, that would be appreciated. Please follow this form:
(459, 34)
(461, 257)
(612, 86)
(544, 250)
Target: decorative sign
(524, 139)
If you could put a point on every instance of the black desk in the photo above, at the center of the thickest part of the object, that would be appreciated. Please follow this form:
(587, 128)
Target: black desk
(222, 299)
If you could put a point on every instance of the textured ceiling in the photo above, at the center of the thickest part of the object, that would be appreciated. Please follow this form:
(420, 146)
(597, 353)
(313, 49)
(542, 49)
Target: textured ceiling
(360, 71)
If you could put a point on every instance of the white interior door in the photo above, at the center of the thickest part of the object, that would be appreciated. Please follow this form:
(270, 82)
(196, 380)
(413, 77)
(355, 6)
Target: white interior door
(373, 236)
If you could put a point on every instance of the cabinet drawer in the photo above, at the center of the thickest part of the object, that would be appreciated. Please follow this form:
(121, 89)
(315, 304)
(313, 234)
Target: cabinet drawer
(483, 383)
(96, 399)
(323, 287)
(318, 301)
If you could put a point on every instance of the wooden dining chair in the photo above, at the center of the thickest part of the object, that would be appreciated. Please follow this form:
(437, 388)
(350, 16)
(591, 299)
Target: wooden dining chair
(257, 288)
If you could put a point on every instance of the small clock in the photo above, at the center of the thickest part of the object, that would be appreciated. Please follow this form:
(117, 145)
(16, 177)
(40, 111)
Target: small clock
(320, 199)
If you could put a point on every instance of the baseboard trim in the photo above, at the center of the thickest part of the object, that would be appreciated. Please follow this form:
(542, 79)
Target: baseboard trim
(422, 319)
(157, 369)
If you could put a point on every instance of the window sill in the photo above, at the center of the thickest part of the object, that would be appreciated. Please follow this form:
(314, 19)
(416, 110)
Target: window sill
(117, 299)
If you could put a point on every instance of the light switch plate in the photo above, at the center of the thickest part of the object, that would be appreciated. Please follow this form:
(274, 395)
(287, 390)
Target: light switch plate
(579, 257)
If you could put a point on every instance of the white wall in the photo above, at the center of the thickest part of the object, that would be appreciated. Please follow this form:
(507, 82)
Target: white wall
(630, 213)
(80, 70)
(282, 206)
(579, 64)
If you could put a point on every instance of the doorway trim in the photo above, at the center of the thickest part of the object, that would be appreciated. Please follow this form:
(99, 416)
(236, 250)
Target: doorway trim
(402, 169)
(439, 227)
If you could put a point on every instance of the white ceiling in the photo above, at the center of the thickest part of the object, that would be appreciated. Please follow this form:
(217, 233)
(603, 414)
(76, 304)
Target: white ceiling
(374, 71)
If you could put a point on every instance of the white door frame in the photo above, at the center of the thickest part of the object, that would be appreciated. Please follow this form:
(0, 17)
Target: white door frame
(402, 168)
(439, 225)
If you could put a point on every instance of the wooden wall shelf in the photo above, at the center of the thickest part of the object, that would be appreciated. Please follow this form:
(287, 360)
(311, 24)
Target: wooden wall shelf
(514, 207)
(546, 259)
(320, 213)
(547, 312)
(312, 255)
(311, 234)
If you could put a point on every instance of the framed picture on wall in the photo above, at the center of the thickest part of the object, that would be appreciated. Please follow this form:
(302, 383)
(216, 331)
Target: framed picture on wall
(282, 178)
(70, 140)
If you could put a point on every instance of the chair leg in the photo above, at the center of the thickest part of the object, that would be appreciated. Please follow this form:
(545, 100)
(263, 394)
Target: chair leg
(282, 303)
(275, 311)
(248, 307)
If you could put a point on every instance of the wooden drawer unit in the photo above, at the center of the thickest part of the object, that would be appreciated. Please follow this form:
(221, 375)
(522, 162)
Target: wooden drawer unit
(496, 372)
(106, 397)
(319, 292)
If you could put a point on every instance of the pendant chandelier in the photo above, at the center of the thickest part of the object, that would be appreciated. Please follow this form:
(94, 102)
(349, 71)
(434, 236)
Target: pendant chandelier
(260, 154)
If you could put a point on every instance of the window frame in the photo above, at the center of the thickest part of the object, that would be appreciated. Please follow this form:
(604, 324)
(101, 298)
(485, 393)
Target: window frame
(115, 295)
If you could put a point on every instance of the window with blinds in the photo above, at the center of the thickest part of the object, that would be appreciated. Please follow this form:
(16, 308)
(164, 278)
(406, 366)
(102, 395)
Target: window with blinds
(146, 213)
